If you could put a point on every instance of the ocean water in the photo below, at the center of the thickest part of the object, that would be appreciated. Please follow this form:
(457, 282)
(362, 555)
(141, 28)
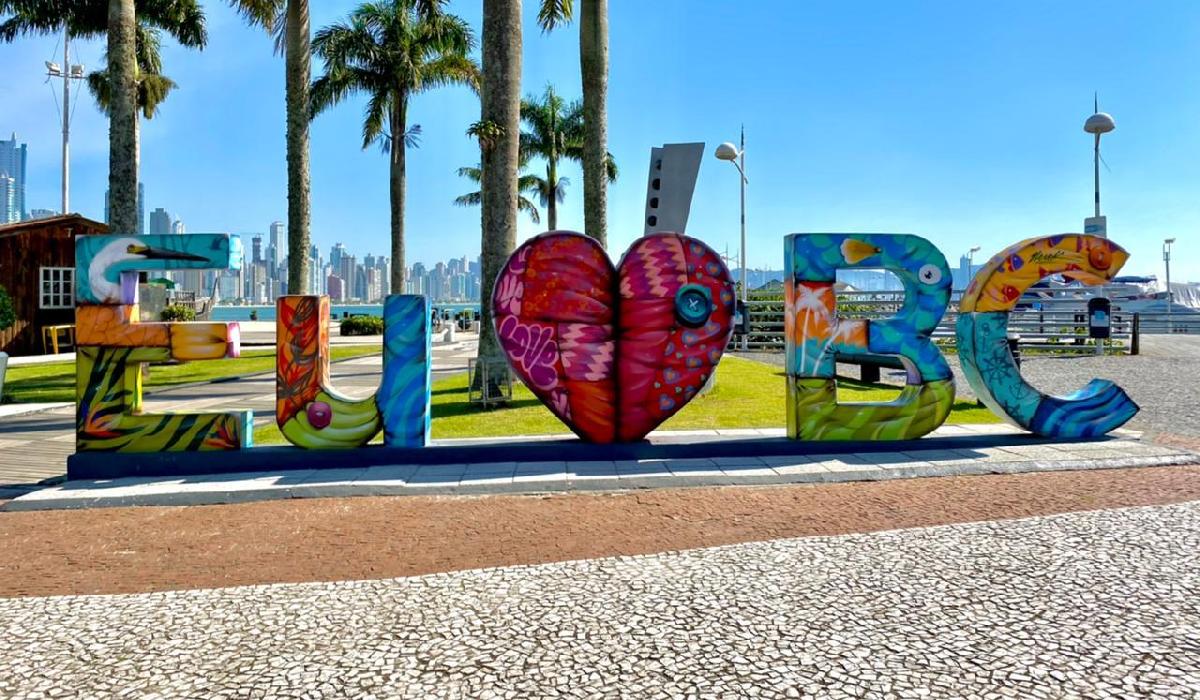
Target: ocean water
(267, 313)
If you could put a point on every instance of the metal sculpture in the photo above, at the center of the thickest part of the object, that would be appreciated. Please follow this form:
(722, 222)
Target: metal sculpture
(113, 345)
(983, 348)
(613, 352)
(311, 414)
(815, 334)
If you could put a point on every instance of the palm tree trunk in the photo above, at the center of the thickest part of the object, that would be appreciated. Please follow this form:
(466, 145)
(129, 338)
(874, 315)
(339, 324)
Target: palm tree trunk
(593, 68)
(298, 59)
(501, 105)
(396, 175)
(552, 202)
(122, 123)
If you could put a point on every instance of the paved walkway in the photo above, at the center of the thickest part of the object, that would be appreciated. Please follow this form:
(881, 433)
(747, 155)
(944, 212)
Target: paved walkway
(1163, 381)
(1096, 605)
(35, 447)
(1180, 346)
(1011, 456)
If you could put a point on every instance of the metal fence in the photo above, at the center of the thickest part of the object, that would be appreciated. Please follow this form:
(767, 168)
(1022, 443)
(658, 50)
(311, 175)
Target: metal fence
(1169, 324)
(1050, 323)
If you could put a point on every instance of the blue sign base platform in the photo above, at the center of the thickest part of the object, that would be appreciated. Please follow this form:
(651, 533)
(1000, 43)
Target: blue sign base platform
(112, 465)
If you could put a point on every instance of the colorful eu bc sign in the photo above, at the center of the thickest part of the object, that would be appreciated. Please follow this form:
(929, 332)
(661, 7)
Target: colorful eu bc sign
(612, 351)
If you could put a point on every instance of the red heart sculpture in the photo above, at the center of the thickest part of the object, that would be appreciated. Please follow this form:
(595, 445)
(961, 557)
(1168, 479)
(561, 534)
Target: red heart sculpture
(613, 352)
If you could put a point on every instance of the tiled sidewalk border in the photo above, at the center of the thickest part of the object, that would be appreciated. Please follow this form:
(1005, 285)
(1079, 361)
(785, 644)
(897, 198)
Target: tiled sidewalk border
(1014, 455)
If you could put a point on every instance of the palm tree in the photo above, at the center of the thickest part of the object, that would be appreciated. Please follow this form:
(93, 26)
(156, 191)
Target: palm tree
(593, 70)
(118, 19)
(391, 51)
(527, 183)
(287, 21)
(123, 155)
(498, 132)
(555, 132)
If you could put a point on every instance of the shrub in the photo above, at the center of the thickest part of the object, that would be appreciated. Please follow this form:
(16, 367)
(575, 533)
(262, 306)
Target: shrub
(7, 315)
(362, 325)
(178, 312)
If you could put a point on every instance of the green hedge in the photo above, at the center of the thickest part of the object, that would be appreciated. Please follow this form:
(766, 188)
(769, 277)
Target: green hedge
(362, 325)
(7, 315)
(177, 312)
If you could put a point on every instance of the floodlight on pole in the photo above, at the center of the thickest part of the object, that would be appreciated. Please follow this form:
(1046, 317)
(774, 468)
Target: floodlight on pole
(737, 155)
(68, 72)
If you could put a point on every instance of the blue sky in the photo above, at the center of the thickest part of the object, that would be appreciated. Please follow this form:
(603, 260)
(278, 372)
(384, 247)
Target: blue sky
(960, 122)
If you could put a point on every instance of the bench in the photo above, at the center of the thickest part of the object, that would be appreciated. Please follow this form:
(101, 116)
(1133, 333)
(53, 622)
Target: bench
(869, 364)
(50, 335)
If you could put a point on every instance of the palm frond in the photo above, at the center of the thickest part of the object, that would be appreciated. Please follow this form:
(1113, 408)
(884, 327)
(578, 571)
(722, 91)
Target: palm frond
(529, 208)
(412, 137)
(526, 183)
(182, 19)
(560, 189)
(152, 87)
(376, 114)
(554, 13)
(471, 199)
(261, 13)
(449, 69)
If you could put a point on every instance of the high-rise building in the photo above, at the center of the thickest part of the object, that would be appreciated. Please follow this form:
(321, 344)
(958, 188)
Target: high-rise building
(141, 204)
(177, 227)
(256, 243)
(347, 270)
(13, 157)
(335, 256)
(42, 213)
(8, 200)
(315, 278)
(374, 284)
(160, 222)
(279, 238)
(336, 292)
(439, 283)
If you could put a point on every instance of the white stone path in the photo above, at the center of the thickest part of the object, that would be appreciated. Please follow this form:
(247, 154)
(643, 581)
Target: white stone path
(1087, 605)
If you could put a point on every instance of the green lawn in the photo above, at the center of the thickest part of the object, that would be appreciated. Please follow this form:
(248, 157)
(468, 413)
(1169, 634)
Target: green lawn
(748, 394)
(55, 381)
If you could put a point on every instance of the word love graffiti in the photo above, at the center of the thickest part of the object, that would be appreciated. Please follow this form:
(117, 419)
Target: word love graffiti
(612, 351)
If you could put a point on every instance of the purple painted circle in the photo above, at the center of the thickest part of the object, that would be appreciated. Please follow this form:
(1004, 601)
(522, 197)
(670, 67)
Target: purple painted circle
(319, 414)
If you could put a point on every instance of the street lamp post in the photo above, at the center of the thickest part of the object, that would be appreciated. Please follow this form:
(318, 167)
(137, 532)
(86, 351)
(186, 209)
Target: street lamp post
(1170, 297)
(68, 73)
(1097, 124)
(737, 156)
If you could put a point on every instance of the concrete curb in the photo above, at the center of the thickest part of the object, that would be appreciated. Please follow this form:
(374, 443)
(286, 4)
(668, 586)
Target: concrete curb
(707, 478)
(12, 410)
